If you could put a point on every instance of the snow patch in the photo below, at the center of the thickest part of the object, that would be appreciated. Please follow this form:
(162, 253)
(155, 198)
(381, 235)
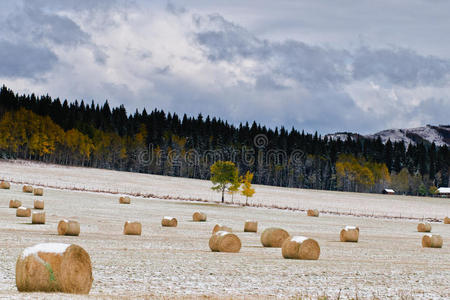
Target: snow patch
(57, 248)
(347, 228)
(221, 233)
(299, 239)
(168, 218)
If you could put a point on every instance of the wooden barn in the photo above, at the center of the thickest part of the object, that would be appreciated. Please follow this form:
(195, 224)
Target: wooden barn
(389, 192)
(444, 192)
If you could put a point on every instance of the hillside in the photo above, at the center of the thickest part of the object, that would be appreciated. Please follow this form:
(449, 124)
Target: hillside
(440, 135)
(186, 189)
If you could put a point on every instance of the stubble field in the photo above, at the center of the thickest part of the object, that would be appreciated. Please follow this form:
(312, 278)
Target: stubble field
(388, 261)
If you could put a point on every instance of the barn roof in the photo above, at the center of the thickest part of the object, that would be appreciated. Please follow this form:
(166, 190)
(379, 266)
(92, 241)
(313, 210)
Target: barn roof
(444, 190)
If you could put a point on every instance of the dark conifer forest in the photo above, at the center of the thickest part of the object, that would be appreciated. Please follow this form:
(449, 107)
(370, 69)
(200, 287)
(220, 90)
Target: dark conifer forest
(96, 135)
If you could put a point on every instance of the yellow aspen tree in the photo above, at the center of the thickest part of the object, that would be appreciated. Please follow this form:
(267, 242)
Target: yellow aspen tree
(247, 189)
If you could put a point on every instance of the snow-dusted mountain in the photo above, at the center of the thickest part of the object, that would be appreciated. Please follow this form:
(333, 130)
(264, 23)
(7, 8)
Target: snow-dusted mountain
(440, 135)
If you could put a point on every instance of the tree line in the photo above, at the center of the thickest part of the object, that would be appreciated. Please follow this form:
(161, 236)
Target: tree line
(94, 135)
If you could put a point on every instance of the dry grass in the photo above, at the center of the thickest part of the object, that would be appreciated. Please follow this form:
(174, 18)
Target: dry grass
(27, 189)
(349, 235)
(5, 185)
(68, 227)
(38, 191)
(38, 218)
(432, 241)
(169, 222)
(199, 217)
(223, 241)
(69, 272)
(132, 228)
(23, 212)
(219, 227)
(273, 237)
(251, 226)
(312, 213)
(299, 247)
(38, 204)
(424, 227)
(15, 203)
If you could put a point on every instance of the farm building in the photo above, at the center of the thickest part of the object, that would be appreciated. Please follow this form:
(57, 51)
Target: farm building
(389, 191)
(444, 192)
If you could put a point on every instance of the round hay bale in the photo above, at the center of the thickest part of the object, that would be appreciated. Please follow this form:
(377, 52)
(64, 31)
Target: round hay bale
(38, 218)
(349, 234)
(23, 212)
(446, 220)
(312, 212)
(219, 227)
(132, 228)
(54, 267)
(274, 237)
(300, 247)
(124, 200)
(169, 222)
(15, 203)
(68, 227)
(224, 241)
(424, 227)
(5, 185)
(27, 189)
(38, 191)
(199, 217)
(432, 241)
(251, 226)
(38, 204)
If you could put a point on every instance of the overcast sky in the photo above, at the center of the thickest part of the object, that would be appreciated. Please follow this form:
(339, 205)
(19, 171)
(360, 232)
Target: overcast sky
(328, 66)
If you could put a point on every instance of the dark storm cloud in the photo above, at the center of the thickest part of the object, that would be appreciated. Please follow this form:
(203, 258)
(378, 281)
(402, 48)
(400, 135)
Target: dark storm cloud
(37, 26)
(401, 67)
(318, 66)
(23, 60)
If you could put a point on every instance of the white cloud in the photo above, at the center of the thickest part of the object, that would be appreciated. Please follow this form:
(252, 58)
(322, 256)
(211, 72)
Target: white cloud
(189, 61)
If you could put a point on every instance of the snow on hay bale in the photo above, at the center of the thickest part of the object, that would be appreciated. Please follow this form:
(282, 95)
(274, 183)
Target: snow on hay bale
(124, 200)
(5, 185)
(23, 212)
(446, 220)
(68, 227)
(38, 204)
(349, 234)
(54, 267)
(432, 241)
(27, 189)
(312, 212)
(251, 226)
(199, 217)
(300, 247)
(38, 191)
(38, 218)
(424, 227)
(169, 222)
(219, 227)
(132, 228)
(224, 241)
(274, 237)
(15, 203)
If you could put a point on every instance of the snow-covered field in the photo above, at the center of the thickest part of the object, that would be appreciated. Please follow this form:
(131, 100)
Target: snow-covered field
(89, 179)
(388, 261)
